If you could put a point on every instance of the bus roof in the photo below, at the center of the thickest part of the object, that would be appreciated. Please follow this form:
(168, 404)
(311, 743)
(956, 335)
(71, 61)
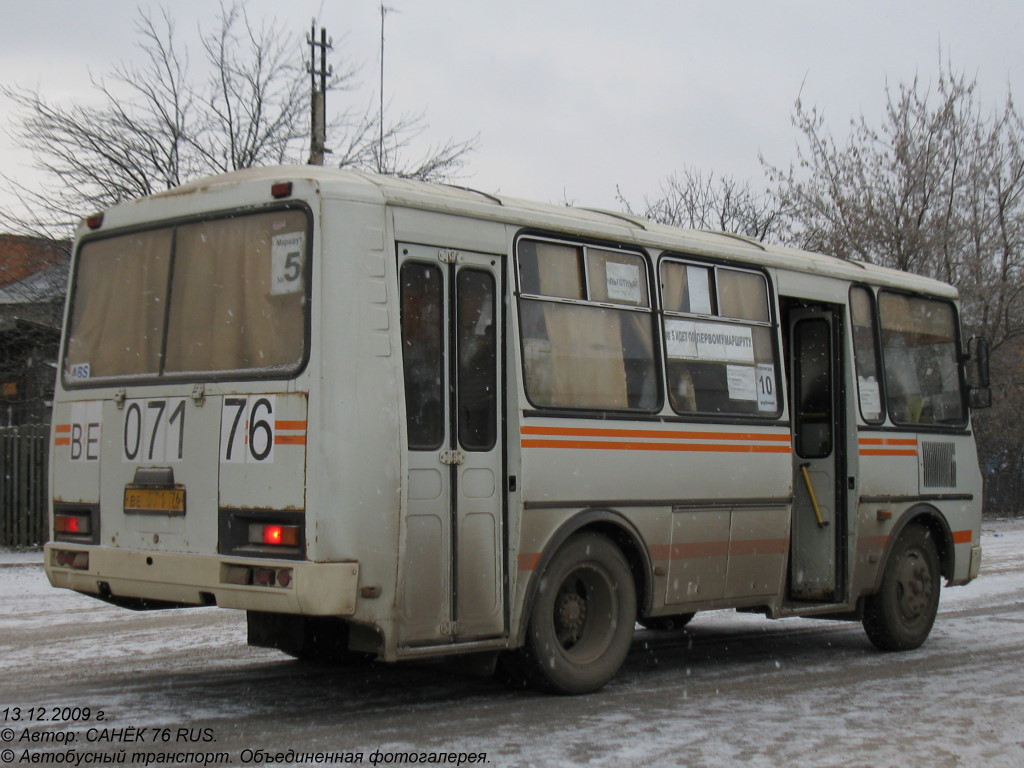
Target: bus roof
(620, 227)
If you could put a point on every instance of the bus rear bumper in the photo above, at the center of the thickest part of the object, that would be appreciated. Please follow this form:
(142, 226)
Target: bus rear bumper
(277, 586)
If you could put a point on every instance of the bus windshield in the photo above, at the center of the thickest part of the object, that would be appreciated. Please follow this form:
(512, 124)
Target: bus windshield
(223, 295)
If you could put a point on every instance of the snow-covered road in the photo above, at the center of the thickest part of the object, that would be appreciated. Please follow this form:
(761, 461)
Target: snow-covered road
(731, 690)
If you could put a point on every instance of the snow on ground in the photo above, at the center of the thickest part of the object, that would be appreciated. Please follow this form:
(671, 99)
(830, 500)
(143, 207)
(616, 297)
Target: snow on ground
(734, 689)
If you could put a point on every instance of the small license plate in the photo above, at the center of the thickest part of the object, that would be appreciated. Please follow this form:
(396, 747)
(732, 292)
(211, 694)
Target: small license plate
(159, 501)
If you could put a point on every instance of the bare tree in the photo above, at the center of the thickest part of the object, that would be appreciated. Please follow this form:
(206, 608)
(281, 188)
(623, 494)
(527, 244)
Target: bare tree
(697, 200)
(937, 189)
(154, 124)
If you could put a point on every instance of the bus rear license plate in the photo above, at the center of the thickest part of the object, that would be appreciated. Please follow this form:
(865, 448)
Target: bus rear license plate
(161, 501)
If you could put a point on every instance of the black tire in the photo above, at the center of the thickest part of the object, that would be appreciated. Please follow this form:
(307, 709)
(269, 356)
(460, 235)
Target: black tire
(900, 616)
(678, 621)
(581, 621)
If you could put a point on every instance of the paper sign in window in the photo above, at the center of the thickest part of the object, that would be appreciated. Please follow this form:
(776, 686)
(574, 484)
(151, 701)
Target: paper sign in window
(286, 258)
(742, 382)
(766, 397)
(709, 342)
(698, 290)
(623, 282)
(870, 397)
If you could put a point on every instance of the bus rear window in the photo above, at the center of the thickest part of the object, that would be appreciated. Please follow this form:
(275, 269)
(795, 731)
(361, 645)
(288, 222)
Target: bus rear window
(226, 295)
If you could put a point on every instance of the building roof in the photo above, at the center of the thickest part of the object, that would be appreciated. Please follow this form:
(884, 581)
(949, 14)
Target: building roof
(21, 256)
(32, 269)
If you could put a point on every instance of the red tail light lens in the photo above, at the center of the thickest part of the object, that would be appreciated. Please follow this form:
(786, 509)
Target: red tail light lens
(64, 523)
(274, 534)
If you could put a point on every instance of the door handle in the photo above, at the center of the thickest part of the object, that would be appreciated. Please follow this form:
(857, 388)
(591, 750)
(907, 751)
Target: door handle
(453, 458)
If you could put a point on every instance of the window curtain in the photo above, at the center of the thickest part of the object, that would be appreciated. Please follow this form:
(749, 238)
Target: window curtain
(224, 315)
(119, 305)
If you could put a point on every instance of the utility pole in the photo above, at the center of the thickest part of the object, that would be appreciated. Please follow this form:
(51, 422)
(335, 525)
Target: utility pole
(318, 95)
(380, 146)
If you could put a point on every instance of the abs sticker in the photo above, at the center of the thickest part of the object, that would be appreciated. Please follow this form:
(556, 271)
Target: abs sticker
(247, 429)
(79, 372)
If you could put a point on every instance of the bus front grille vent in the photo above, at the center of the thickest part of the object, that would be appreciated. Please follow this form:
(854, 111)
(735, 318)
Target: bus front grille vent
(939, 465)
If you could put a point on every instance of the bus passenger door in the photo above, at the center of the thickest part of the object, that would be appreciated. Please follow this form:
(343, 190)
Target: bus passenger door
(818, 440)
(452, 569)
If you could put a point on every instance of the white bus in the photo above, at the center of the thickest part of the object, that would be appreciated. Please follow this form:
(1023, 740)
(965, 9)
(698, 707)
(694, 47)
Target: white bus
(403, 420)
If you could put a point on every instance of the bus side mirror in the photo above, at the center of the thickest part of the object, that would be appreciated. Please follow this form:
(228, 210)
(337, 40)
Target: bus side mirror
(978, 372)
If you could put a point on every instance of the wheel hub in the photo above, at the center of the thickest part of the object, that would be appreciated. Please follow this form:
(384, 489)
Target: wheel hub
(570, 616)
(914, 589)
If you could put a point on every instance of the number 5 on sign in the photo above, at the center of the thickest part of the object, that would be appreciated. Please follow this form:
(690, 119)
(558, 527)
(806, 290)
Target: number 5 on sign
(286, 256)
(247, 429)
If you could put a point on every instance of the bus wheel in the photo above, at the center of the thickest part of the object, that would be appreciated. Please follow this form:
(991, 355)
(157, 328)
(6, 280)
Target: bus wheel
(900, 616)
(678, 621)
(581, 623)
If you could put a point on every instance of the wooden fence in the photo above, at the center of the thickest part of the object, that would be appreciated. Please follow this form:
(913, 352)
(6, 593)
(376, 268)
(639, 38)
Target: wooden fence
(23, 485)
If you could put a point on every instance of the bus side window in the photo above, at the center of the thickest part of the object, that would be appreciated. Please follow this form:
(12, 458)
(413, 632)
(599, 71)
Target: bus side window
(423, 354)
(865, 352)
(587, 331)
(477, 350)
(719, 340)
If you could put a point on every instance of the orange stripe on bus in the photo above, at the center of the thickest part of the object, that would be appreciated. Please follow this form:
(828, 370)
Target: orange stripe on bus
(885, 446)
(289, 439)
(292, 425)
(603, 445)
(759, 547)
(62, 441)
(888, 441)
(652, 433)
(692, 550)
(527, 562)
(963, 537)
(62, 428)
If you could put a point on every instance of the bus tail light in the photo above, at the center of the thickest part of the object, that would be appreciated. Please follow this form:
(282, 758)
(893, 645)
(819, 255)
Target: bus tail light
(71, 523)
(281, 189)
(274, 534)
(76, 523)
(277, 533)
(238, 574)
(66, 559)
(259, 576)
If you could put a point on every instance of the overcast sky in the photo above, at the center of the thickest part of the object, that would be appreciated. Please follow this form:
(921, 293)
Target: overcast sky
(572, 98)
